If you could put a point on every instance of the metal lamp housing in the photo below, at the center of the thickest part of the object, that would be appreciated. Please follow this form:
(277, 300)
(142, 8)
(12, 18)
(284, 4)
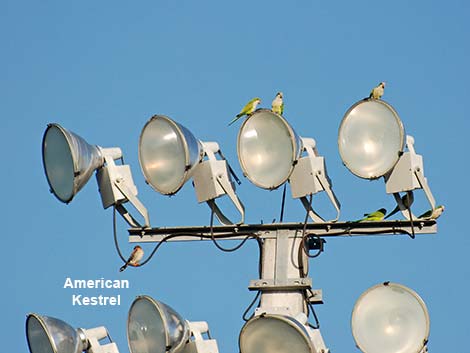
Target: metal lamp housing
(273, 333)
(268, 148)
(390, 318)
(168, 154)
(68, 160)
(371, 138)
(154, 327)
(50, 335)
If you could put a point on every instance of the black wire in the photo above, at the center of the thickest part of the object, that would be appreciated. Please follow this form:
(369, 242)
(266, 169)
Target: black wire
(176, 235)
(408, 206)
(310, 309)
(307, 251)
(116, 244)
(250, 306)
(217, 244)
(305, 235)
(281, 218)
(260, 259)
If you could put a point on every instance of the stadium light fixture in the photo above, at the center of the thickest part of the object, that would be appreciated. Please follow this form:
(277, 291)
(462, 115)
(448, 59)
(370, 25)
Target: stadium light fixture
(390, 318)
(273, 333)
(270, 154)
(46, 334)
(69, 161)
(371, 143)
(154, 327)
(170, 155)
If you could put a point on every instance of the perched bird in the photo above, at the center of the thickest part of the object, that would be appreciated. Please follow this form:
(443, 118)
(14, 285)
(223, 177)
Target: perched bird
(404, 199)
(374, 216)
(247, 110)
(433, 215)
(136, 255)
(378, 91)
(277, 106)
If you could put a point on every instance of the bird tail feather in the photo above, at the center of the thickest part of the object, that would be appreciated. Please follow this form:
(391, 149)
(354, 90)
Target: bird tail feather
(234, 119)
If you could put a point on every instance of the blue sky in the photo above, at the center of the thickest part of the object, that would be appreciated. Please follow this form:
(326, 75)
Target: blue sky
(102, 69)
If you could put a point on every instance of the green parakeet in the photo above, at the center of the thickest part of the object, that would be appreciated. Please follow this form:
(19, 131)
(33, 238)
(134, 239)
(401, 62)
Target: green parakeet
(247, 110)
(378, 91)
(374, 216)
(277, 106)
(433, 215)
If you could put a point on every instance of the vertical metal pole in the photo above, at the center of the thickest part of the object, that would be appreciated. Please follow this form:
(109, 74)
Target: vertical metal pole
(280, 264)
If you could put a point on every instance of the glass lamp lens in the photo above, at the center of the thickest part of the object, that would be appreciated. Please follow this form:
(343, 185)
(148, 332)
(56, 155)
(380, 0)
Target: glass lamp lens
(167, 151)
(390, 319)
(154, 327)
(50, 335)
(58, 163)
(371, 138)
(38, 340)
(274, 334)
(146, 329)
(267, 149)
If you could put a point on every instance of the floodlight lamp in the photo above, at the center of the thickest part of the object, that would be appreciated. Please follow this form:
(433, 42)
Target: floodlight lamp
(50, 335)
(371, 138)
(69, 161)
(371, 142)
(170, 155)
(390, 318)
(268, 148)
(272, 333)
(154, 327)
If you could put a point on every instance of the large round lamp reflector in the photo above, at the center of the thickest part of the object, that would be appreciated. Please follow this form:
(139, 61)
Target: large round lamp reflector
(390, 318)
(167, 154)
(50, 335)
(154, 327)
(267, 149)
(371, 138)
(69, 161)
(274, 334)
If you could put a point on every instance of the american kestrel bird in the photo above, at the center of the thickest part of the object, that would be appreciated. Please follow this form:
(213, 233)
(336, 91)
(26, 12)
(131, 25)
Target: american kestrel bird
(277, 106)
(378, 91)
(136, 255)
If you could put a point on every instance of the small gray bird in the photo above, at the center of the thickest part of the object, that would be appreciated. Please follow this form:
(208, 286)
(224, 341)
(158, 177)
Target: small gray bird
(378, 91)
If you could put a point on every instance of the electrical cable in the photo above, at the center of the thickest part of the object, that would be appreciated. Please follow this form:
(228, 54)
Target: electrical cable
(310, 309)
(217, 244)
(175, 235)
(116, 244)
(250, 306)
(281, 218)
(408, 206)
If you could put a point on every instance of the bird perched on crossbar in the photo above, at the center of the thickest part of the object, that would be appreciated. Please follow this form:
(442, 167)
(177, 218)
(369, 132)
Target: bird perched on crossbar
(374, 216)
(433, 215)
(277, 106)
(136, 255)
(378, 91)
(247, 110)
